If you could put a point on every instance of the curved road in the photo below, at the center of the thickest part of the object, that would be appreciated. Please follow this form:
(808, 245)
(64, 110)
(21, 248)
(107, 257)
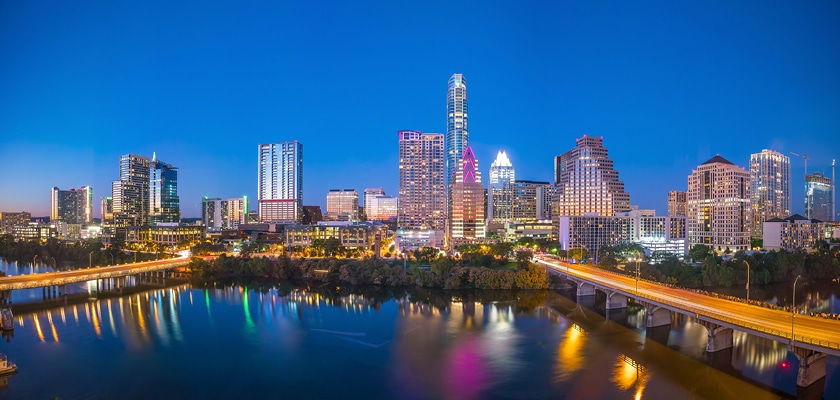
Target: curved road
(818, 332)
(88, 274)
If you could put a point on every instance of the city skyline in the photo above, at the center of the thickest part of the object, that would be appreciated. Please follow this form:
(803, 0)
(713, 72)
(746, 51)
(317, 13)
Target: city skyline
(71, 98)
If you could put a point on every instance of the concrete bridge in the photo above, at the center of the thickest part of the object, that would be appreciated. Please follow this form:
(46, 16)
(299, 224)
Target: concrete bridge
(55, 282)
(810, 338)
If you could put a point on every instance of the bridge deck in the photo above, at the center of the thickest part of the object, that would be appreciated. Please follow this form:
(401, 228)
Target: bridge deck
(818, 334)
(88, 274)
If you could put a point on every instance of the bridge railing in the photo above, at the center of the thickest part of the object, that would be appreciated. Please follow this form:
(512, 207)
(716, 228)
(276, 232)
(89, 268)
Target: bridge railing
(714, 314)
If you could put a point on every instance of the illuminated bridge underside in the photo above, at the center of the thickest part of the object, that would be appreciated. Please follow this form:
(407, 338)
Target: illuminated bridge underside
(63, 278)
(811, 333)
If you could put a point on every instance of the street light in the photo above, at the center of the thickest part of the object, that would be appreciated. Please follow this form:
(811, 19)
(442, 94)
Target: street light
(748, 280)
(793, 311)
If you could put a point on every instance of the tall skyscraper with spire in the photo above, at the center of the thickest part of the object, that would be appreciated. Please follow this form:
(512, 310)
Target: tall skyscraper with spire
(498, 202)
(468, 199)
(769, 188)
(457, 131)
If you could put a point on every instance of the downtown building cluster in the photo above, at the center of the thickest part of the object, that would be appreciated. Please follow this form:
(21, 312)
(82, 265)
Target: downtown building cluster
(443, 203)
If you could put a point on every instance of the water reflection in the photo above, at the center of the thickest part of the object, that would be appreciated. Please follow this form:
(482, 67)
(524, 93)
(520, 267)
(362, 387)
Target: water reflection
(408, 345)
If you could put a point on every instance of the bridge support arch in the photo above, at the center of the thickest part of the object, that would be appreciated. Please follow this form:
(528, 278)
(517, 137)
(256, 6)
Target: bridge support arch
(811, 366)
(720, 337)
(585, 289)
(615, 300)
(657, 316)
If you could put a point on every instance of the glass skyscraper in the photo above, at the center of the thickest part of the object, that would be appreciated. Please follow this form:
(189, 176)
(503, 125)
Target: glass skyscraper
(280, 182)
(457, 131)
(164, 204)
(818, 197)
(498, 203)
(130, 194)
(769, 188)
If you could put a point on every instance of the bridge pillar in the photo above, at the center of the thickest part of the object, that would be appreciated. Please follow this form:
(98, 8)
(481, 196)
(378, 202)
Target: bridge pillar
(720, 337)
(585, 289)
(658, 316)
(811, 366)
(616, 300)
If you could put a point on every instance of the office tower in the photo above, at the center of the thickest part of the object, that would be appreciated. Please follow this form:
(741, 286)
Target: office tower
(378, 206)
(769, 188)
(164, 204)
(280, 182)
(501, 173)
(528, 200)
(106, 210)
(457, 132)
(677, 203)
(587, 181)
(468, 199)
(370, 201)
(818, 197)
(130, 194)
(719, 206)
(342, 205)
(71, 206)
(422, 202)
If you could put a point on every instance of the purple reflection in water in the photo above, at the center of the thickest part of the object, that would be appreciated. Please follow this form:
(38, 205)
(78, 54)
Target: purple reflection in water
(467, 376)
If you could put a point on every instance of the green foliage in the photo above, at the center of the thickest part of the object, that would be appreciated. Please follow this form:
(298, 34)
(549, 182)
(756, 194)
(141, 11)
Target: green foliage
(699, 252)
(523, 258)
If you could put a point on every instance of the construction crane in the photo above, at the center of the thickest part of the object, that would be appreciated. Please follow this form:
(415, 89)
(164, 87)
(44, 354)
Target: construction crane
(805, 158)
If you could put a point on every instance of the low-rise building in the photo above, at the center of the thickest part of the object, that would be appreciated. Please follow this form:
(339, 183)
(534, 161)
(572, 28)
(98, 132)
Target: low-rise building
(8, 220)
(654, 233)
(792, 233)
(167, 235)
(414, 239)
(351, 235)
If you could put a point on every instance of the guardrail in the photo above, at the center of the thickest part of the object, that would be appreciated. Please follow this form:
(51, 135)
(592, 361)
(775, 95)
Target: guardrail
(706, 312)
(64, 277)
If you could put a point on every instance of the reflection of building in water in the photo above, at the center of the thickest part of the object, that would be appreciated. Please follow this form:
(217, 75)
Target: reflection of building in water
(756, 352)
(570, 353)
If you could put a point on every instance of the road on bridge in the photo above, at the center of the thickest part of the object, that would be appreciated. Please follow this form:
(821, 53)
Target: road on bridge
(817, 331)
(81, 275)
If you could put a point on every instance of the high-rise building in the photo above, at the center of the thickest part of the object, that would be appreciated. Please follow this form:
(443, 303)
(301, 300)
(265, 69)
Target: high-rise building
(280, 182)
(528, 200)
(587, 182)
(164, 203)
(501, 173)
(719, 206)
(73, 206)
(769, 188)
(677, 203)
(468, 199)
(457, 135)
(818, 197)
(218, 214)
(130, 194)
(378, 206)
(106, 210)
(342, 205)
(370, 201)
(422, 196)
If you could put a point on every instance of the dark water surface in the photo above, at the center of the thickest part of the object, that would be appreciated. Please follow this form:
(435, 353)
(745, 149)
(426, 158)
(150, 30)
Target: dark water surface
(233, 341)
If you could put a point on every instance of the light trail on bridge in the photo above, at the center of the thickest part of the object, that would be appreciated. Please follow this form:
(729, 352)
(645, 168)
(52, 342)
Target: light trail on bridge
(811, 332)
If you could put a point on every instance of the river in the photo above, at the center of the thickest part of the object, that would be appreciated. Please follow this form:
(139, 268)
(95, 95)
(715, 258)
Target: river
(233, 340)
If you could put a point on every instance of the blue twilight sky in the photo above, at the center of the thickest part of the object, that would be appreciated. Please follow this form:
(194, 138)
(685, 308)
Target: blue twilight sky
(667, 84)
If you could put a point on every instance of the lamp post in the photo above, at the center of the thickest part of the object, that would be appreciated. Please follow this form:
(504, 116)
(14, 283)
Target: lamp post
(748, 280)
(793, 311)
(112, 258)
(638, 257)
(90, 260)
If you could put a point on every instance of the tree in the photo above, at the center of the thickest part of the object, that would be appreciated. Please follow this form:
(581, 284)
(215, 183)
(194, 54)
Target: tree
(699, 252)
(523, 258)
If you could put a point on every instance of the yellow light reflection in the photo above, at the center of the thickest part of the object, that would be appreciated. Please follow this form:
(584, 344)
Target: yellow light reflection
(569, 355)
(54, 332)
(38, 327)
(95, 320)
(629, 374)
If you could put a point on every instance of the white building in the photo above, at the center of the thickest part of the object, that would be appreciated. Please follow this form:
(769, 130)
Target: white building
(280, 182)
(792, 233)
(654, 233)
